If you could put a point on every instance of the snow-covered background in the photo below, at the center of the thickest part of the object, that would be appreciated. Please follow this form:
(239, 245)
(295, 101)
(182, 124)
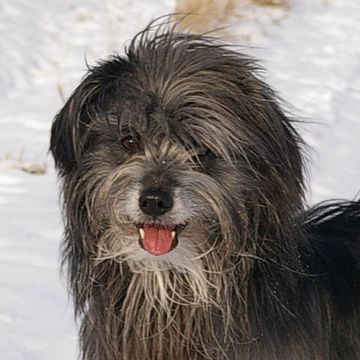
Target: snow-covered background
(312, 54)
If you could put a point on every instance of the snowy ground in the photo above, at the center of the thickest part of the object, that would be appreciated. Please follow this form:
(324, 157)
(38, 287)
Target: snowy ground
(313, 58)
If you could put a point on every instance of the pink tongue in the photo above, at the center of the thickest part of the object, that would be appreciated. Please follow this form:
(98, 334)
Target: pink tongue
(157, 240)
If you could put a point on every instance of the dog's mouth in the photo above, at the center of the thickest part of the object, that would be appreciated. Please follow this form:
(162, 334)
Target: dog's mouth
(157, 239)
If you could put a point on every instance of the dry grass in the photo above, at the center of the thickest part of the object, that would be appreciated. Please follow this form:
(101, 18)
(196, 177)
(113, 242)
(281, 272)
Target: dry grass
(60, 91)
(20, 164)
(200, 16)
(271, 3)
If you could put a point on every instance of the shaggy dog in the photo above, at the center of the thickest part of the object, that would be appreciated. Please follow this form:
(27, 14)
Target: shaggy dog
(186, 234)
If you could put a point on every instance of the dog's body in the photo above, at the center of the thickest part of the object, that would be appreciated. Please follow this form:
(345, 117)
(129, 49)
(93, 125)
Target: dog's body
(186, 236)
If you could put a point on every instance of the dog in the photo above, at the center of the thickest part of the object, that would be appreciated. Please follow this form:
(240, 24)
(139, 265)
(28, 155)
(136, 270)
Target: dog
(186, 233)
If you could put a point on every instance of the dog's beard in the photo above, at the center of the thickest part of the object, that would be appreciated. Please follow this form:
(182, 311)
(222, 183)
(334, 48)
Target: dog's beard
(184, 276)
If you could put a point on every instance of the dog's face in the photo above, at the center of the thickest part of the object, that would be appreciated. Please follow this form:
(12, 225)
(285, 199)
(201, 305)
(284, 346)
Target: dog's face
(171, 154)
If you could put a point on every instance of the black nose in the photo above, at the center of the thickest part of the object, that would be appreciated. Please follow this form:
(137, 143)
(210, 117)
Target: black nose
(155, 202)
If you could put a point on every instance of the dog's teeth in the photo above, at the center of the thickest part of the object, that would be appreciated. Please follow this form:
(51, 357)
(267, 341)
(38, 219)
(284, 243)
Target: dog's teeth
(173, 233)
(142, 233)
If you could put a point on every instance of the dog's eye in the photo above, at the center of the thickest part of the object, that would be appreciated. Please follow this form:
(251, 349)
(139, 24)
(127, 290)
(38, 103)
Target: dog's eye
(206, 156)
(130, 143)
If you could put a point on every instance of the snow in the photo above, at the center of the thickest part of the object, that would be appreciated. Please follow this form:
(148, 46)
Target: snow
(312, 53)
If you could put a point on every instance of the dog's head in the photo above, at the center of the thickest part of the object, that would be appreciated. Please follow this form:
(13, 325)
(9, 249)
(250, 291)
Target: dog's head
(176, 155)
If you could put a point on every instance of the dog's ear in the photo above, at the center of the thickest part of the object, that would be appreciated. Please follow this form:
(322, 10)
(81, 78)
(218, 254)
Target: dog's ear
(69, 127)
